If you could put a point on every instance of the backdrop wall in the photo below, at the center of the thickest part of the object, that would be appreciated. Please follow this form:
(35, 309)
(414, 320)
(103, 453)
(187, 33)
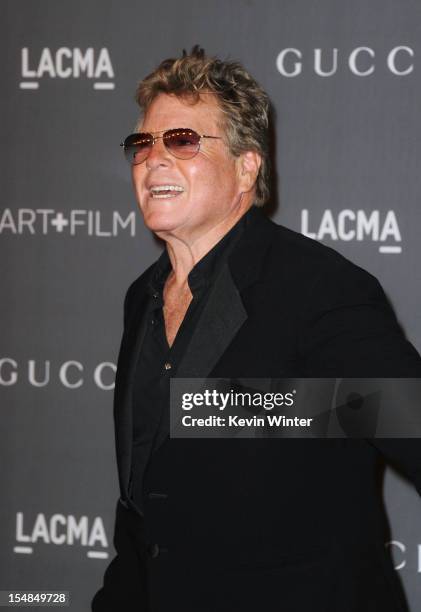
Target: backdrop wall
(344, 78)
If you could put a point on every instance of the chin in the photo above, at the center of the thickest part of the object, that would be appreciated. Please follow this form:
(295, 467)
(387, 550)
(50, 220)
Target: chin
(161, 221)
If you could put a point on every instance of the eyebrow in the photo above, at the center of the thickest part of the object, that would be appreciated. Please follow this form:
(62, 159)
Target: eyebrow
(168, 129)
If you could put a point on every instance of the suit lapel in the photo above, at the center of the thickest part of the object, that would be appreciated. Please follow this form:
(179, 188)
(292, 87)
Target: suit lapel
(222, 317)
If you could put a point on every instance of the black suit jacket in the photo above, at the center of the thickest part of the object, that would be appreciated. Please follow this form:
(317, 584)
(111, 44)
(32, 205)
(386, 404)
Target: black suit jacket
(289, 524)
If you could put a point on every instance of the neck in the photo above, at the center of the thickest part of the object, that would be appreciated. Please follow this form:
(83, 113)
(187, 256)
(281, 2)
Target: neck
(184, 255)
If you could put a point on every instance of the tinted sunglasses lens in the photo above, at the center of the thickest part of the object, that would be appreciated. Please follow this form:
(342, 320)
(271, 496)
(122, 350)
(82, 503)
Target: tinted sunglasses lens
(137, 147)
(182, 143)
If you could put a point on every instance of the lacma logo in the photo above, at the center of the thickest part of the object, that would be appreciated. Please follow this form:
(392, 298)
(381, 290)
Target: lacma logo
(59, 530)
(356, 225)
(65, 63)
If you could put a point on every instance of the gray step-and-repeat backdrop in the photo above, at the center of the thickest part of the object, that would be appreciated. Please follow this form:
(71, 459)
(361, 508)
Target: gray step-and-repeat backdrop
(345, 80)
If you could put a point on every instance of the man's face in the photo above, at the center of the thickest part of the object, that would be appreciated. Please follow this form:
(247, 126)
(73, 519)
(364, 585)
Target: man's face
(211, 181)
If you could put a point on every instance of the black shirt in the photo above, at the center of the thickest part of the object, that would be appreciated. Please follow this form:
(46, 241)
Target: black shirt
(158, 361)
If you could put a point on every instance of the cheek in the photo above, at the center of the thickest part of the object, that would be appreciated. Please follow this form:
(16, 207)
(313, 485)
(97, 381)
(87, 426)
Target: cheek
(197, 177)
(209, 174)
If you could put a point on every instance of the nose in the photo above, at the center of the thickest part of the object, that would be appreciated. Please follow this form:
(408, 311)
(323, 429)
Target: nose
(159, 156)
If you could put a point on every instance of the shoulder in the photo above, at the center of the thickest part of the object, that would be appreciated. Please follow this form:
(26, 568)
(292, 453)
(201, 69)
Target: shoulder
(299, 259)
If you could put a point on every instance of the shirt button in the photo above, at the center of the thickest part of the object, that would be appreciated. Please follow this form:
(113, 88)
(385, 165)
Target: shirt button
(167, 366)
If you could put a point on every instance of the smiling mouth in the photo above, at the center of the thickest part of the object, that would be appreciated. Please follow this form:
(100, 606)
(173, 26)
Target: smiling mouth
(159, 192)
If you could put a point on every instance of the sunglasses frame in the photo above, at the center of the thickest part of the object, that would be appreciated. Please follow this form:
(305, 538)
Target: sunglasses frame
(164, 132)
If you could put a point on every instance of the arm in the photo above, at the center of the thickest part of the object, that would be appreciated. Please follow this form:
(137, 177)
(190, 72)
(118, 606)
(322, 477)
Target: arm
(353, 332)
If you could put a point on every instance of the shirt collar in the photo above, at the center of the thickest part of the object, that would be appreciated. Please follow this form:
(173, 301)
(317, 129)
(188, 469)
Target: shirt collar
(206, 268)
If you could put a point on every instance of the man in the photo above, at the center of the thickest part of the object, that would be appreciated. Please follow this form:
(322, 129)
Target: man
(223, 524)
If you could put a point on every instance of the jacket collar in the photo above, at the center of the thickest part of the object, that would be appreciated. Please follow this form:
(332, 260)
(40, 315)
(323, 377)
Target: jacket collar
(247, 259)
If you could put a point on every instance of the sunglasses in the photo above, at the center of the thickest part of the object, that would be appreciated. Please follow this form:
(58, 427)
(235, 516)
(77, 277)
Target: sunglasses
(183, 143)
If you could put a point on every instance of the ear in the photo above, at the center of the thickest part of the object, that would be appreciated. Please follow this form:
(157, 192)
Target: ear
(248, 168)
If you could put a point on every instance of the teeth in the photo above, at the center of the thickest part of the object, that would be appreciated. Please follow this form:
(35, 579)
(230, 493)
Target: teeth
(159, 188)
